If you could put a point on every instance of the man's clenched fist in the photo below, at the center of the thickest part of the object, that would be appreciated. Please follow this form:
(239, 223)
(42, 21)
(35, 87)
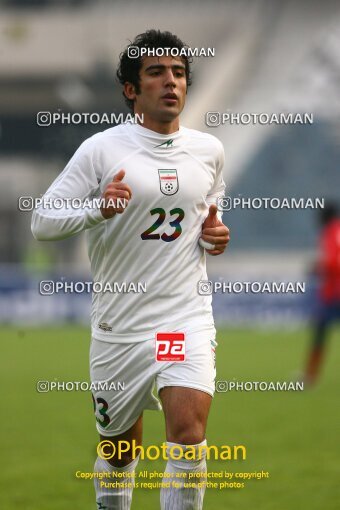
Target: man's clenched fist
(215, 232)
(116, 189)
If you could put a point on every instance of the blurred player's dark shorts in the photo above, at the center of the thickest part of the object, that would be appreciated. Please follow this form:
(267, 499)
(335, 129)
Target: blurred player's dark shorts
(327, 312)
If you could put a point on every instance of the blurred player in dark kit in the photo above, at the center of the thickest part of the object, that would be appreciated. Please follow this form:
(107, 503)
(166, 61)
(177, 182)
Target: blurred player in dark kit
(328, 274)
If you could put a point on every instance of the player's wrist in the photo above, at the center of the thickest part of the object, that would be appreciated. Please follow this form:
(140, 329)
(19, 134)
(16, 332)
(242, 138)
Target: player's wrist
(107, 213)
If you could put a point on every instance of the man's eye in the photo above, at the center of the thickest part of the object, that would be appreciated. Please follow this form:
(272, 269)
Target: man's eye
(155, 73)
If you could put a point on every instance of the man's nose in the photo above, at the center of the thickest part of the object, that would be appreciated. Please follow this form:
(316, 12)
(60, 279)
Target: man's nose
(170, 78)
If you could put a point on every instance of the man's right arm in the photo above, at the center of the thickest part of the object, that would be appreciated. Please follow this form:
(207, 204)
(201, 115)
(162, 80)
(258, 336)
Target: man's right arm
(80, 181)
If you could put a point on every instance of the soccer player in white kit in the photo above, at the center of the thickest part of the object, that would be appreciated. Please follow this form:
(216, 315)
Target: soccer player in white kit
(169, 178)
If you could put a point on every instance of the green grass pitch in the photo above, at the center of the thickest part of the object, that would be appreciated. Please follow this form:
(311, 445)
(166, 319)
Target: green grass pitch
(47, 437)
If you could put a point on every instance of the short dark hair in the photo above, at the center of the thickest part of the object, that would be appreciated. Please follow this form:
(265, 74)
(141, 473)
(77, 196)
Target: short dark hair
(328, 213)
(129, 68)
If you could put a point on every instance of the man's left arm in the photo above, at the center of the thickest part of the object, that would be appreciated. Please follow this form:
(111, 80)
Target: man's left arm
(214, 232)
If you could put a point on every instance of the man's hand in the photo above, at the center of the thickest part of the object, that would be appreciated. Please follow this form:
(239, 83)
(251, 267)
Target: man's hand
(215, 232)
(116, 189)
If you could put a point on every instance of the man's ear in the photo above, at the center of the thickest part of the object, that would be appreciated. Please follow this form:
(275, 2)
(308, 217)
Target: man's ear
(129, 91)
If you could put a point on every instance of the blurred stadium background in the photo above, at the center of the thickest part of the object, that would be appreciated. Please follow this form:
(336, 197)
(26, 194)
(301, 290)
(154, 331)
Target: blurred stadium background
(271, 56)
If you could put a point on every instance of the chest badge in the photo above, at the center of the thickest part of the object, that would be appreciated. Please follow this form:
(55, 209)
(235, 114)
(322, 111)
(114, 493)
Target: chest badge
(168, 181)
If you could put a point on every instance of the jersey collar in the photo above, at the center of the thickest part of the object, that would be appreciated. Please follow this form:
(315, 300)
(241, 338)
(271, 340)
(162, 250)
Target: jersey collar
(155, 142)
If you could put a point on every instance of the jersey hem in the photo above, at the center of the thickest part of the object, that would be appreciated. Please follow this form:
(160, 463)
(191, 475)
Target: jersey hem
(187, 327)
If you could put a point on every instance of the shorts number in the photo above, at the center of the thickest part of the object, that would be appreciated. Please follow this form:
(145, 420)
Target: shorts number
(102, 411)
(176, 224)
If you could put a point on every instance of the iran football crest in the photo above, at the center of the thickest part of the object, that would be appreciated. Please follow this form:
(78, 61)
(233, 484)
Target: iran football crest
(168, 181)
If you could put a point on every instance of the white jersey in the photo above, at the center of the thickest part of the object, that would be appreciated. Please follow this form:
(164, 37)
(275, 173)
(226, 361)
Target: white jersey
(150, 251)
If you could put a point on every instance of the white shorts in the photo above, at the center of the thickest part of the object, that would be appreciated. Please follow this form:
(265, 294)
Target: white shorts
(126, 374)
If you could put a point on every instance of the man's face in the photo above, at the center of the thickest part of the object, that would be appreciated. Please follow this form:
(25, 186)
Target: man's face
(163, 88)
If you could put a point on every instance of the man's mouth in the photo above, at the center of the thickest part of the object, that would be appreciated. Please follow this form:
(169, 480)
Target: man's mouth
(170, 98)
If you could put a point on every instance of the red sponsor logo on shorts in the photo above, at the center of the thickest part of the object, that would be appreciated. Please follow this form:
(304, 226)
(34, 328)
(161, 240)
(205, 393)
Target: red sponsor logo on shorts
(170, 347)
